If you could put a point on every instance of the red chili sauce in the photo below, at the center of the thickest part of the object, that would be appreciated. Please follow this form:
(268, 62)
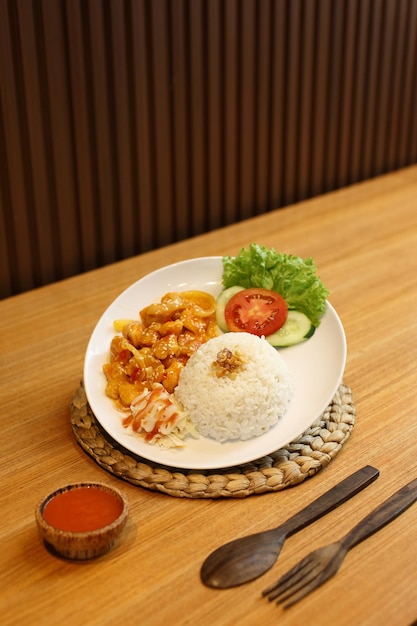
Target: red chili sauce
(82, 509)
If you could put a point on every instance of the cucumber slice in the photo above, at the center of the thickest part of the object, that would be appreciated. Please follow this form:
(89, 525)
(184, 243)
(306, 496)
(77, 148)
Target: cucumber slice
(296, 329)
(222, 299)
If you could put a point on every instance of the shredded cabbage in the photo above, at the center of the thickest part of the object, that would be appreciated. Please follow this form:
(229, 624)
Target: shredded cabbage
(158, 418)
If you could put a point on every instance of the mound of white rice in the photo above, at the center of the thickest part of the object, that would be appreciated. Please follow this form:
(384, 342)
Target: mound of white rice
(242, 403)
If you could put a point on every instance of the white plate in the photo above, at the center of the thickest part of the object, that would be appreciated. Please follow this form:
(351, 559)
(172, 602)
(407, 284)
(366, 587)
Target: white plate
(317, 366)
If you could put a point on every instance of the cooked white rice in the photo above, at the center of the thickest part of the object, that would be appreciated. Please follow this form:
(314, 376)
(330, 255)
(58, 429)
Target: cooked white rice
(240, 407)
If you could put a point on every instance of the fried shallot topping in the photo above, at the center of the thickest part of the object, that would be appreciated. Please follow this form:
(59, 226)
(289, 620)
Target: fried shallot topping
(228, 363)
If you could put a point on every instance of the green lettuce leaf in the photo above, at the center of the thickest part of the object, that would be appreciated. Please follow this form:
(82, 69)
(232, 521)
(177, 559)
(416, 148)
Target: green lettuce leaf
(291, 276)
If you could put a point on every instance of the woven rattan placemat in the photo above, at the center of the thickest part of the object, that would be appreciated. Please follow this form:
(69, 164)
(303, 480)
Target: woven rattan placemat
(286, 467)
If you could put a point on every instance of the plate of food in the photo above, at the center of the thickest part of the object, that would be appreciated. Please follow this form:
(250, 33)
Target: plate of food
(214, 362)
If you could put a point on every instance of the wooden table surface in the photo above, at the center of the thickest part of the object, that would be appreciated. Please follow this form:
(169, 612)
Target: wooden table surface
(364, 241)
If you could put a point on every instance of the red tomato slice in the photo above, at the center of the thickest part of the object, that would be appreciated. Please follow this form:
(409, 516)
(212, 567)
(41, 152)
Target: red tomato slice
(257, 311)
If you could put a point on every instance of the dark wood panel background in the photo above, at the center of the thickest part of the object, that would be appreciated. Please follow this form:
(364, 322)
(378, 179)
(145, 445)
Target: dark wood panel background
(126, 125)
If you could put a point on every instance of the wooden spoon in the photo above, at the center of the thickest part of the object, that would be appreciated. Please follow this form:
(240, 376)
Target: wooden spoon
(244, 559)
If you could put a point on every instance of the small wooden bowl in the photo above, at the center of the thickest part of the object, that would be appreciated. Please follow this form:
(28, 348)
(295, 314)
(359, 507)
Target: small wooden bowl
(75, 535)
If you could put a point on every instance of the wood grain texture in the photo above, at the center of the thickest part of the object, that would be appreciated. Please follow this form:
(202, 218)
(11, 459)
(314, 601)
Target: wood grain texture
(363, 239)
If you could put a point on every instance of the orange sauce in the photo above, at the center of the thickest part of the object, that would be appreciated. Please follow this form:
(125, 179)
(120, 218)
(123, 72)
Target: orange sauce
(82, 509)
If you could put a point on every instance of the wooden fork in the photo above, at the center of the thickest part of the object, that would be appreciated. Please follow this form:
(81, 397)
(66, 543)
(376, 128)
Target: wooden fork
(322, 564)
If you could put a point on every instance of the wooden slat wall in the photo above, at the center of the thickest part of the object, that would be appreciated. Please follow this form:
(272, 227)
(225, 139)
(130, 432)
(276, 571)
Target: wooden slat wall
(126, 125)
